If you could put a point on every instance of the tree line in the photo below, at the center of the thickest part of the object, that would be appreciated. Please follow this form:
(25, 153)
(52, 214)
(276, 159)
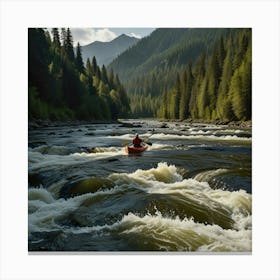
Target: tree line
(61, 87)
(215, 88)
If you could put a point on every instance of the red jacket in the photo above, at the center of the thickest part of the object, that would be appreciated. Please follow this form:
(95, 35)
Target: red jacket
(137, 141)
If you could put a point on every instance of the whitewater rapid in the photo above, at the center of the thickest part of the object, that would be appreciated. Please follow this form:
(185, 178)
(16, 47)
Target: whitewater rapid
(189, 191)
(169, 231)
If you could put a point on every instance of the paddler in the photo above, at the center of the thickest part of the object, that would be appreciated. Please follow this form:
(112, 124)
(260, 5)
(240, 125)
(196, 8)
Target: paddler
(137, 141)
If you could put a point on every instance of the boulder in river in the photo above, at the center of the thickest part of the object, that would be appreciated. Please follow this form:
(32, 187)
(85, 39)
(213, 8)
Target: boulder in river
(164, 125)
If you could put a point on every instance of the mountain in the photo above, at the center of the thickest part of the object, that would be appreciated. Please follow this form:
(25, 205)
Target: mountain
(165, 48)
(105, 52)
(152, 72)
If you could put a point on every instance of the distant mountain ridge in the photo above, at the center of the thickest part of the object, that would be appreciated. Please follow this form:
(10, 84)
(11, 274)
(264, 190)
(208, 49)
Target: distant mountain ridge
(165, 48)
(155, 71)
(106, 52)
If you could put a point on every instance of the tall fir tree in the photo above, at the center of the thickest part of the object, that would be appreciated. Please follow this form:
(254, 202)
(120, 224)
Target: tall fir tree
(79, 60)
(56, 38)
(223, 106)
(69, 49)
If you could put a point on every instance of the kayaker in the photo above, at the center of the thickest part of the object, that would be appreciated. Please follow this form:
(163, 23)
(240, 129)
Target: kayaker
(137, 141)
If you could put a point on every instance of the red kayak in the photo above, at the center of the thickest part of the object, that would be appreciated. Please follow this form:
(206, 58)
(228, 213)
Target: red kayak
(131, 149)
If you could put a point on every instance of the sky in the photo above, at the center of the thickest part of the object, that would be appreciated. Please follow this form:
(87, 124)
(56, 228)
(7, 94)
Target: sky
(88, 35)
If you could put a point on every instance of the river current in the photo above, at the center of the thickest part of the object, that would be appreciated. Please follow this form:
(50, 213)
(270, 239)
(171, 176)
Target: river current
(189, 191)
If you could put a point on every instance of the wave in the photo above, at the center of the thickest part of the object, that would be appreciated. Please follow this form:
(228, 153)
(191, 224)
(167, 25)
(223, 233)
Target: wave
(179, 215)
(52, 150)
(209, 174)
(38, 160)
(194, 135)
(45, 212)
(186, 235)
(166, 234)
(104, 150)
(200, 136)
(158, 146)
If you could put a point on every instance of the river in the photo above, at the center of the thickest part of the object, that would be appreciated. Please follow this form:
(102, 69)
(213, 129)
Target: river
(189, 191)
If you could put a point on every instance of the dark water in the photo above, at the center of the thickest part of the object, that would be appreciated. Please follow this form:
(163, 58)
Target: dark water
(190, 191)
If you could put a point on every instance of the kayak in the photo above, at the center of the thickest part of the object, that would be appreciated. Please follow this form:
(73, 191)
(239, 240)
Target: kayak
(131, 149)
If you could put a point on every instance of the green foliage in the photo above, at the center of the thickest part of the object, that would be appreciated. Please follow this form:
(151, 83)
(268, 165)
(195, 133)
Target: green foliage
(79, 60)
(211, 89)
(150, 72)
(60, 88)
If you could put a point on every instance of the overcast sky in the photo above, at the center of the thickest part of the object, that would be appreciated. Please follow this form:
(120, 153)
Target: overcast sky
(88, 35)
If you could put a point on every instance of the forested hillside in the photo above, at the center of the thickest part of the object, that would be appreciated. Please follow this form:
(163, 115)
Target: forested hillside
(218, 87)
(183, 73)
(61, 87)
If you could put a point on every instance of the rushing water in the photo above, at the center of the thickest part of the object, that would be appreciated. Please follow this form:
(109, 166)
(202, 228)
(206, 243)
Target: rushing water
(189, 191)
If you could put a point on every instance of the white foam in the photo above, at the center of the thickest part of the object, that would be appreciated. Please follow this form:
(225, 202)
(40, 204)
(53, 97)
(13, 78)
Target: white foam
(189, 234)
(209, 174)
(165, 180)
(39, 161)
(177, 234)
(52, 150)
(200, 136)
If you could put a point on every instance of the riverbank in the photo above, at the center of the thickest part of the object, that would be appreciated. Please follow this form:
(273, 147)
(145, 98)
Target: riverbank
(241, 124)
(47, 123)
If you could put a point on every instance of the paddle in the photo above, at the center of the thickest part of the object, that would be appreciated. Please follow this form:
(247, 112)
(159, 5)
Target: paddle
(123, 144)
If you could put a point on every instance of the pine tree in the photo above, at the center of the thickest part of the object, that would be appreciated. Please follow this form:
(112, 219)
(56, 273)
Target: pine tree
(236, 95)
(94, 66)
(111, 78)
(69, 50)
(223, 106)
(104, 76)
(189, 87)
(183, 99)
(79, 60)
(186, 90)
(212, 78)
(88, 70)
(175, 100)
(38, 61)
(56, 38)
(221, 53)
(196, 100)
(63, 36)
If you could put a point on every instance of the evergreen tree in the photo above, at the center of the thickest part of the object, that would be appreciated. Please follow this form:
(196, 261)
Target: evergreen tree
(88, 70)
(94, 66)
(221, 53)
(63, 36)
(38, 61)
(104, 76)
(223, 101)
(79, 61)
(56, 38)
(212, 76)
(189, 88)
(175, 100)
(69, 46)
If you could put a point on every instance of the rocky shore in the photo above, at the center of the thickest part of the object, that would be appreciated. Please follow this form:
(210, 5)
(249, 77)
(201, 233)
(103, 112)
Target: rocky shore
(47, 123)
(241, 124)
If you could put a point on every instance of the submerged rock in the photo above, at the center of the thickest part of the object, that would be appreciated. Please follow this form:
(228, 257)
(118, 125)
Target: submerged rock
(164, 125)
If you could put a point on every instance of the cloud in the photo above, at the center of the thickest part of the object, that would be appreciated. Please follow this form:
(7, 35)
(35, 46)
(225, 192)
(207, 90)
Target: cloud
(88, 35)
(134, 35)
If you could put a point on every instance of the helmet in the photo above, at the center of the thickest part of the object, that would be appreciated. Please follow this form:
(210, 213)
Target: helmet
(136, 135)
